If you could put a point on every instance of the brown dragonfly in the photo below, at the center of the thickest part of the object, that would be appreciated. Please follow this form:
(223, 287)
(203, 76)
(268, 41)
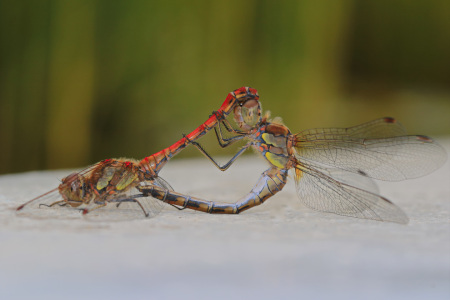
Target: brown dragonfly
(121, 180)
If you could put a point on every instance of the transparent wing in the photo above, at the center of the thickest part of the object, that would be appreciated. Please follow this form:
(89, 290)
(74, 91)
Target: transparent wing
(46, 199)
(132, 203)
(379, 128)
(106, 177)
(126, 204)
(126, 179)
(154, 206)
(360, 181)
(159, 181)
(150, 205)
(320, 191)
(379, 149)
(53, 195)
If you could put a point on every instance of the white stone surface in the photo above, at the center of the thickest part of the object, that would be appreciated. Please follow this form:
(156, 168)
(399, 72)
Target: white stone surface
(280, 250)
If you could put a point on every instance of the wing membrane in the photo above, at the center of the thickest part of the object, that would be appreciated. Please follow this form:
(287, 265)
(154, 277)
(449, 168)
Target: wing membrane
(380, 128)
(356, 180)
(378, 149)
(151, 205)
(126, 179)
(324, 193)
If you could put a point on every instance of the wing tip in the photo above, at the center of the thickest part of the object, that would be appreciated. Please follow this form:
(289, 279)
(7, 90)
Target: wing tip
(395, 214)
(424, 138)
(400, 219)
(389, 120)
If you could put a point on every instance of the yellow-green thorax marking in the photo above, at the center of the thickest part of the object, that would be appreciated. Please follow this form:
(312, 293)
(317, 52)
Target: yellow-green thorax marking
(271, 140)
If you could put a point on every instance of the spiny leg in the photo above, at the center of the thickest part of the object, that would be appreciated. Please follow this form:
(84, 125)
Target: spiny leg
(86, 210)
(64, 203)
(226, 165)
(132, 199)
(225, 142)
(227, 124)
(179, 208)
(146, 214)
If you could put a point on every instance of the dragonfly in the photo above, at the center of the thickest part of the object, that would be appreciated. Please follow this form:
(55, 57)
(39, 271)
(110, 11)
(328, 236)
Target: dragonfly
(121, 180)
(333, 168)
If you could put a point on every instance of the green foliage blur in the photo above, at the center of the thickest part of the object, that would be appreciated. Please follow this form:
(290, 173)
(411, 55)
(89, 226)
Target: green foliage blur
(85, 80)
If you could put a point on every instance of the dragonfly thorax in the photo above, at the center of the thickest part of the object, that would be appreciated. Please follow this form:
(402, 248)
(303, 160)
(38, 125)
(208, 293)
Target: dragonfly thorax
(272, 141)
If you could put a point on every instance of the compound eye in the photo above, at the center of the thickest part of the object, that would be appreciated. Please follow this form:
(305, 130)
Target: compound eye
(73, 186)
(251, 112)
(70, 178)
(248, 115)
(238, 114)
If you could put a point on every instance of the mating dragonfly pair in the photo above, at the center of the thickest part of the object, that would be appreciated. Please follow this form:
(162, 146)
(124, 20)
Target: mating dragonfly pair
(333, 167)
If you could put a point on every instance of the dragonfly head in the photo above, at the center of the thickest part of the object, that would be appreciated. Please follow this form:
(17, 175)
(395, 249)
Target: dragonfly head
(247, 113)
(73, 189)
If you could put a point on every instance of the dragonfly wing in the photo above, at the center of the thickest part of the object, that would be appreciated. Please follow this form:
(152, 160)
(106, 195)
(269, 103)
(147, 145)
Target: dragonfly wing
(46, 199)
(106, 177)
(374, 148)
(53, 196)
(159, 181)
(126, 179)
(151, 205)
(360, 180)
(319, 191)
(379, 128)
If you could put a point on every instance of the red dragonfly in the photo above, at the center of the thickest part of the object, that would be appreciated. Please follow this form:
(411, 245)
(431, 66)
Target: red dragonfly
(121, 180)
(333, 167)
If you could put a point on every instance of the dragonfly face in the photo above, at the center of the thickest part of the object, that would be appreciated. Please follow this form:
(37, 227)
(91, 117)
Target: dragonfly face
(73, 189)
(248, 114)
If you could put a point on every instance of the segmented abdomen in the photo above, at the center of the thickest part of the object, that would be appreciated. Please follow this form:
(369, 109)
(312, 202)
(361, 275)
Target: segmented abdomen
(270, 183)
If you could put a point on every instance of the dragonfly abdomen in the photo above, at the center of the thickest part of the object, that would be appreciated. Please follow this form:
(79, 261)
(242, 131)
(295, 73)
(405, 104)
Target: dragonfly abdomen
(270, 183)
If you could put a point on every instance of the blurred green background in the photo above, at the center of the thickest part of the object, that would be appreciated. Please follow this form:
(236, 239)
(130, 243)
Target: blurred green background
(85, 80)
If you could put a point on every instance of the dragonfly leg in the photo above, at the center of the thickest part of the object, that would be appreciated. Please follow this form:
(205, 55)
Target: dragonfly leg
(226, 165)
(225, 142)
(179, 208)
(134, 201)
(86, 210)
(271, 182)
(60, 202)
(142, 207)
(227, 124)
(63, 203)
